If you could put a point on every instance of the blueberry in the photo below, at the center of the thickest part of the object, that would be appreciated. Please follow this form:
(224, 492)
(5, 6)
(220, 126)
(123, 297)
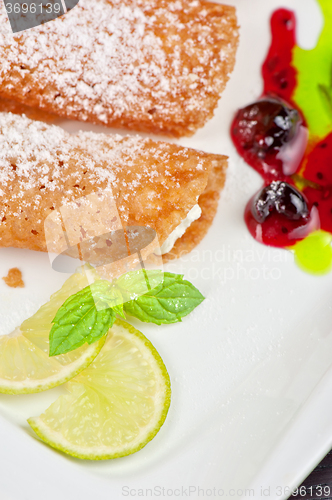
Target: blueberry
(266, 125)
(283, 198)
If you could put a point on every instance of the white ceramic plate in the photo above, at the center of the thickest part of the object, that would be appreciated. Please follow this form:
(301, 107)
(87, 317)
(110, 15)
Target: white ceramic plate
(246, 366)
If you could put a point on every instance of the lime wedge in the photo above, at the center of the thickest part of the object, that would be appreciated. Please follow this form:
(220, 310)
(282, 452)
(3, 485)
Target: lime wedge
(25, 365)
(115, 406)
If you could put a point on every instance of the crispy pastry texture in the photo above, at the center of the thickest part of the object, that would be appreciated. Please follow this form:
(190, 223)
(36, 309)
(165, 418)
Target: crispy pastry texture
(155, 184)
(11, 106)
(208, 201)
(151, 65)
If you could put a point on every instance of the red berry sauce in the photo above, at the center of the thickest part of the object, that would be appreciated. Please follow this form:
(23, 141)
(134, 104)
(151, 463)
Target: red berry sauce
(272, 137)
(278, 72)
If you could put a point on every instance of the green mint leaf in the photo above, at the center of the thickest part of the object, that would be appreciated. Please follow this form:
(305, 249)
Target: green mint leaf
(71, 303)
(79, 321)
(136, 283)
(118, 309)
(167, 303)
(104, 320)
(107, 293)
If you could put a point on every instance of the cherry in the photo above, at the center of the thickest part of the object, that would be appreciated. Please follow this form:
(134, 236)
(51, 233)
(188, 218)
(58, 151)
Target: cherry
(281, 197)
(265, 126)
(278, 215)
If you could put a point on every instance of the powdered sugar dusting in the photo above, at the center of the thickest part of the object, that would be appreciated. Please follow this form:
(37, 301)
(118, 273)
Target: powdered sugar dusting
(43, 168)
(156, 63)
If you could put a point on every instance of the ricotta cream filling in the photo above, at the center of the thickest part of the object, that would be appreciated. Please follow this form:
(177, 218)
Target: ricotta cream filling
(168, 244)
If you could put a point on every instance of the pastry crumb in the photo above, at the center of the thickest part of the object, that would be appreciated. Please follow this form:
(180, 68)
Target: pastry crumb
(14, 278)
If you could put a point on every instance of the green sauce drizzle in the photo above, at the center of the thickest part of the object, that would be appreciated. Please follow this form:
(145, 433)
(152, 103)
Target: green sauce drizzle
(313, 94)
(314, 253)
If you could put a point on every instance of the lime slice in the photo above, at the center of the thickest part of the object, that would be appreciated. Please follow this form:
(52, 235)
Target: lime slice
(113, 408)
(25, 365)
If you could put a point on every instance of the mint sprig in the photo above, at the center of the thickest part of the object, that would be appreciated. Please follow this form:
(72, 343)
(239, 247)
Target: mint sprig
(88, 315)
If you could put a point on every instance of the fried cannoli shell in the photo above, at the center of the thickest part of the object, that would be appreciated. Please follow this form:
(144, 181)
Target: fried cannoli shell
(208, 202)
(150, 65)
(154, 184)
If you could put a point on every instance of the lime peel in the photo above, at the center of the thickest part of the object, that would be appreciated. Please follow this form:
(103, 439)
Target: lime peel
(113, 408)
(25, 365)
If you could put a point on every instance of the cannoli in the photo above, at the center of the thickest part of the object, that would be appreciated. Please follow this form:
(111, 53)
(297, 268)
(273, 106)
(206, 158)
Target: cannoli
(158, 185)
(11, 106)
(150, 65)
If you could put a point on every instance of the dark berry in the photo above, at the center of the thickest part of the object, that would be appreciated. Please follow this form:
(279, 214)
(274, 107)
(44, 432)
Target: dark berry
(266, 125)
(283, 198)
